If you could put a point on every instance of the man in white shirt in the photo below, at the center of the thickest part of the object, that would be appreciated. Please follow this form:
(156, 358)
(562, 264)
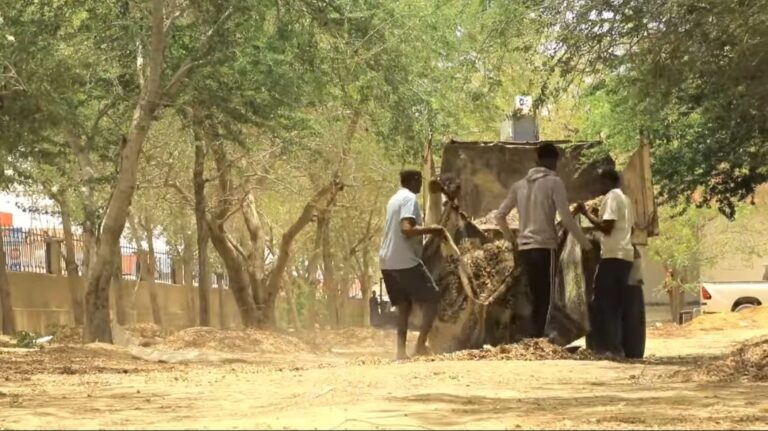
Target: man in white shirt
(405, 277)
(615, 222)
(538, 197)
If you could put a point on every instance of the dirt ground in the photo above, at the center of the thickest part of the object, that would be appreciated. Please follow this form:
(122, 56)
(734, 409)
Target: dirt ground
(209, 379)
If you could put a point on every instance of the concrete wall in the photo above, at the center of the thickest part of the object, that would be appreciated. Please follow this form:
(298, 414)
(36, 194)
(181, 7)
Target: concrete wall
(40, 300)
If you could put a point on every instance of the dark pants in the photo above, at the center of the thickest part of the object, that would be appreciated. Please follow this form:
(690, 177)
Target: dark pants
(606, 307)
(633, 322)
(406, 287)
(540, 270)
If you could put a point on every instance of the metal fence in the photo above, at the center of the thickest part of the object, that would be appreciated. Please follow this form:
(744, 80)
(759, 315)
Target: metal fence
(131, 264)
(25, 250)
(28, 250)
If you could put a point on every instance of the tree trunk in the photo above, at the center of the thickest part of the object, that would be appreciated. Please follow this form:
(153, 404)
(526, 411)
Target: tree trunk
(73, 273)
(365, 284)
(675, 301)
(6, 307)
(256, 297)
(313, 282)
(154, 304)
(89, 247)
(289, 292)
(201, 213)
(220, 285)
(254, 292)
(330, 283)
(188, 261)
(204, 285)
(97, 326)
(121, 308)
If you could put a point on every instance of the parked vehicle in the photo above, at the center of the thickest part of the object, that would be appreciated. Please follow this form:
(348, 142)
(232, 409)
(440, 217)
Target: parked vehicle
(723, 297)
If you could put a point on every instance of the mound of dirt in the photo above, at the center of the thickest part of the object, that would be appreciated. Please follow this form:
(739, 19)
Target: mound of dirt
(350, 338)
(65, 334)
(489, 269)
(148, 330)
(513, 219)
(235, 341)
(756, 317)
(6, 341)
(749, 363)
(96, 358)
(370, 360)
(535, 349)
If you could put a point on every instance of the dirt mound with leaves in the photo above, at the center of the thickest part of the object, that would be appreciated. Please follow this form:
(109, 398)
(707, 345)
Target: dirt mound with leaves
(148, 330)
(95, 358)
(747, 363)
(482, 276)
(6, 341)
(235, 341)
(756, 317)
(357, 338)
(490, 271)
(65, 334)
(536, 349)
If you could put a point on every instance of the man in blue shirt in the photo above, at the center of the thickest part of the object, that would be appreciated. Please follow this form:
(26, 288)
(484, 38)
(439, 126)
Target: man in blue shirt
(405, 277)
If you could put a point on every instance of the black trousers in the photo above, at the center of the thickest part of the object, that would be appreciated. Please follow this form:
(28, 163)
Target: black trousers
(539, 265)
(633, 322)
(606, 307)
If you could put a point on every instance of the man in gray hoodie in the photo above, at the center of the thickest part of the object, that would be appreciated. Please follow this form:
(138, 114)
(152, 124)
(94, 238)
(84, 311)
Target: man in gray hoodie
(538, 197)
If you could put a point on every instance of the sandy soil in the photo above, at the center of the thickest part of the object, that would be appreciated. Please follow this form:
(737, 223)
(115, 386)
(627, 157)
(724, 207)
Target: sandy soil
(318, 380)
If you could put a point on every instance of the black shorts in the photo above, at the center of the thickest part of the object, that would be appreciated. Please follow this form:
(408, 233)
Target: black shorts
(413, 284)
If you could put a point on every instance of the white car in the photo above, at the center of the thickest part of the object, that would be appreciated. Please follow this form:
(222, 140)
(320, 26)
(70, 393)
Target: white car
(723, 297)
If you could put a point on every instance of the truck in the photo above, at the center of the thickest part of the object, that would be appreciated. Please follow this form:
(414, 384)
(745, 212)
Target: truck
(491, 304)
(732, 296)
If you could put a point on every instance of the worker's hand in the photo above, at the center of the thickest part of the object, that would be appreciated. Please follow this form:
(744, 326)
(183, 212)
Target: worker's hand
(581, 208)
(439, 231)
(587, 246)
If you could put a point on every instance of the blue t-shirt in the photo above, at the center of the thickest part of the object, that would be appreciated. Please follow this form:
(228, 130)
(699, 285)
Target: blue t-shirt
(397, 251)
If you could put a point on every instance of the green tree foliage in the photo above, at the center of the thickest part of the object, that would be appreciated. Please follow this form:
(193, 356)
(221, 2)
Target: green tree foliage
(686, 72)
(693, 238)
(272, 100)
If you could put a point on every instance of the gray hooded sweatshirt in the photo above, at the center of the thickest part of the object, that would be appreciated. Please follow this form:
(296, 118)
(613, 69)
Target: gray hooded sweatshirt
(537, 198)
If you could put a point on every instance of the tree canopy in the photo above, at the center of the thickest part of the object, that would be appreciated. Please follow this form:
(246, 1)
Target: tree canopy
(685, 72)
(274, 130)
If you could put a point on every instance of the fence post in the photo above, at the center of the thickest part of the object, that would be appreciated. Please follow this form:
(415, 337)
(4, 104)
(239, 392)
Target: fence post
(142, 257)
(177, 271)
(53, 256)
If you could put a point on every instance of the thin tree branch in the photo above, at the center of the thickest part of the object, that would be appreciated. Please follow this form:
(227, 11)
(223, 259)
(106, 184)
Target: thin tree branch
(188, 64)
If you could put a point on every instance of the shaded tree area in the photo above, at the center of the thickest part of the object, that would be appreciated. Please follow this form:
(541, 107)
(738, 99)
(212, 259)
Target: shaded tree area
(261, 140)
(685, 73)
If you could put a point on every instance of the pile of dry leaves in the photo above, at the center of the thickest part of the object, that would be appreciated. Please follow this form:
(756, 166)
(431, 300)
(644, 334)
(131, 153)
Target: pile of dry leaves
(749, 363)
(535, 349)
(235, 341)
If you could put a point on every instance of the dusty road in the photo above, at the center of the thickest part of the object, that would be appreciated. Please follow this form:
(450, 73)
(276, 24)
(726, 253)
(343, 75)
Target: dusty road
(99, 387)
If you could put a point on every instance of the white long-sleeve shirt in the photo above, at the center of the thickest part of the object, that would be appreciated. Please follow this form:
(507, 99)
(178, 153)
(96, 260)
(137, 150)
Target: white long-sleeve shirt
(537, 210)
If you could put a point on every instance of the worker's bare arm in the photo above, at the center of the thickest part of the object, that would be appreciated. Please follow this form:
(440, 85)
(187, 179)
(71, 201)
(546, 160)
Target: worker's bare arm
(604, 226)
(506, 207)
(409, 229)
(561, 204)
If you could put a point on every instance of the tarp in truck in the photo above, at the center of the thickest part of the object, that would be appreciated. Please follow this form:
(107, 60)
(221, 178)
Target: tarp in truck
(493, 307)
(486, 170)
